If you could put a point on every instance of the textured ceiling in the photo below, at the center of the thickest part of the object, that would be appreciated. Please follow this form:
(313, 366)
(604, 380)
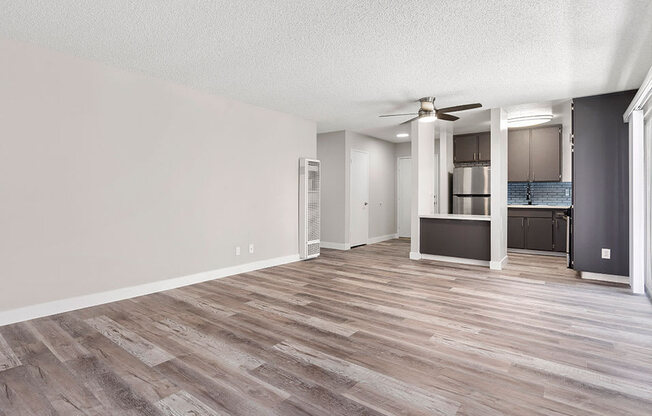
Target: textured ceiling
(341, 62)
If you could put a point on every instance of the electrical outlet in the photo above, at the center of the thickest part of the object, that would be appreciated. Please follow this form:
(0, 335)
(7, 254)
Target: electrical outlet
(237, 251)
(567, 192)
(606, 253)
(251, 249)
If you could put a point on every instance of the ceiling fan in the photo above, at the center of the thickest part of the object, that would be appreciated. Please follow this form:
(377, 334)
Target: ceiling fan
(428, 111)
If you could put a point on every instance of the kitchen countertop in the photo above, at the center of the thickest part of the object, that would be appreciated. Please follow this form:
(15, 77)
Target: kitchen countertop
(457, 217)
(540, 206)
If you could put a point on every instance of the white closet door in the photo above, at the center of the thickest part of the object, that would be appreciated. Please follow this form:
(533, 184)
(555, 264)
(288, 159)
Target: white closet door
(359, 182)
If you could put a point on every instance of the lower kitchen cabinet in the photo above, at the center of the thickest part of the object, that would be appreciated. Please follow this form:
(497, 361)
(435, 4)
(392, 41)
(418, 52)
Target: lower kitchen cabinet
(516, 232)
(537, 229)
(560, 230)
(538, 234)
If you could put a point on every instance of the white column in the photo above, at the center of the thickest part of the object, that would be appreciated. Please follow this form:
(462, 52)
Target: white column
(498, 188)
(445, 165)
(423, 178)
(636, 202)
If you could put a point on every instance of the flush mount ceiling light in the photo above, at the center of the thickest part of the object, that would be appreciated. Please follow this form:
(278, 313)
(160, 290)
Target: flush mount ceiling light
(528, 120)
(401, 135)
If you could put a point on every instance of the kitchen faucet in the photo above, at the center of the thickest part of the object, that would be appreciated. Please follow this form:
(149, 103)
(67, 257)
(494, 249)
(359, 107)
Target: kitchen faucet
(528, 194)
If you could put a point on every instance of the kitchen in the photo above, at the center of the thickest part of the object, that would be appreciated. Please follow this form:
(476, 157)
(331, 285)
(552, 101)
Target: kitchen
(539, 176)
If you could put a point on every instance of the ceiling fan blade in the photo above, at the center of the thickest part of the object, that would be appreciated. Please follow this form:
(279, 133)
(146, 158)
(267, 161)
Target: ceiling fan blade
(459, 108)
(448, 117)
(409, 121)
(396, 115)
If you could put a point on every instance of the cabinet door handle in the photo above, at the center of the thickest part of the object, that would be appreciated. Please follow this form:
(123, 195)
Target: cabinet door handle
(473, 155)
(479, 155)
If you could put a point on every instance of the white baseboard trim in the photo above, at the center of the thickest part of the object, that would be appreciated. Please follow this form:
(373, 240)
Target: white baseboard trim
(79, 302)
(458, 260)
(382, 238)
(498, 265)
(415, 255)
(334, 246)
(605, 277)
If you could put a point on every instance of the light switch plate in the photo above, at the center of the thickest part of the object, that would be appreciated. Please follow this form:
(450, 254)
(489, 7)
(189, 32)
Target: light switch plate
(606, 253)
(237, 251)
(251, 249)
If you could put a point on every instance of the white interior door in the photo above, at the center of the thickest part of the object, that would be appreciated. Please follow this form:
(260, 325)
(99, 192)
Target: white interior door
(359, 186)
(404, 196)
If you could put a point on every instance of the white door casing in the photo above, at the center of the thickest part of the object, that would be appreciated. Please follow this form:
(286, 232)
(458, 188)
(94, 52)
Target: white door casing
(359, 198)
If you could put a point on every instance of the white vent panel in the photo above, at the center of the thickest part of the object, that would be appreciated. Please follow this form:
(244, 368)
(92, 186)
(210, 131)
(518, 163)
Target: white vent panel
(309, 207)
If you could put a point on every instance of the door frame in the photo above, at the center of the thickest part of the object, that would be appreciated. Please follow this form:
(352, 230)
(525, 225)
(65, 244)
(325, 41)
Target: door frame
(398, 192)
(350, 193)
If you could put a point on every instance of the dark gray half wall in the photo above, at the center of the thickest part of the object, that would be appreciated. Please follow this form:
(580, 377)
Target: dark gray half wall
(456, 238)
(600, 182)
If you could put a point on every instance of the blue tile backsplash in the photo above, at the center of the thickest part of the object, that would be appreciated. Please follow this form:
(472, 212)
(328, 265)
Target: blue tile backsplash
(543, 193)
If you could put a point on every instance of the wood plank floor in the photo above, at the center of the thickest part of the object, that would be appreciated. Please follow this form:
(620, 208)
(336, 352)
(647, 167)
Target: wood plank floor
(362, 332)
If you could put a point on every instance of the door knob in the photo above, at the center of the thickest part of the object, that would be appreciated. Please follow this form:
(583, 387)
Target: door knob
(366, 203)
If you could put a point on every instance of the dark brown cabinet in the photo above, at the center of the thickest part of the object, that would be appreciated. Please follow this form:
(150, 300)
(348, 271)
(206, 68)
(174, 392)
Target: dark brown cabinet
(465, 148)
(516, 232)
(484, 147)
(534, 154)
(538, 233)
(518, 156)
(475, 147)
(560, 229)
(537, 229)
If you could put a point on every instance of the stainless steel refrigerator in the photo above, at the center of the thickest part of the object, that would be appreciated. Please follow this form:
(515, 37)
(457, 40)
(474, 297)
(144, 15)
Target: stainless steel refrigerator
(472, 190)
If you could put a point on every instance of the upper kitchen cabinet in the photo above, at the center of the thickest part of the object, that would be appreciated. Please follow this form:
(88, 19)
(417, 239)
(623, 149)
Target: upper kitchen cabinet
(484, 147)
(475, 147)
(545, 156)
(534, 154)
(518, 156)
(465, 148)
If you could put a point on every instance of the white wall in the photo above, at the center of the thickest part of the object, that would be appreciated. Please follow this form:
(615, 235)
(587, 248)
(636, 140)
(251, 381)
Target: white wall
(499, 151)
(382, 182)
(112, 179)
(403, 149)
(334, 150)
(331, 151)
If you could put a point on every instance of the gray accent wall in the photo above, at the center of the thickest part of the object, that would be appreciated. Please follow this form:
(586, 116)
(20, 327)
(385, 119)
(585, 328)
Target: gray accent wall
(111, 179)
(600, 183)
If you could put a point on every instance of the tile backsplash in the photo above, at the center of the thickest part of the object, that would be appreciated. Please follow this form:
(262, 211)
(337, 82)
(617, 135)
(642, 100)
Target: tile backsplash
(543, 193)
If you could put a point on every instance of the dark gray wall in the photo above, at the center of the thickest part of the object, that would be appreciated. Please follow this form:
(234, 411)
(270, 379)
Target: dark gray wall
(600, 183)
(456, 238)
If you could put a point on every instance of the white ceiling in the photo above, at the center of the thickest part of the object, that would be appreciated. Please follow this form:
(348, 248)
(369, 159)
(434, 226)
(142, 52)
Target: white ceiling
(342, 62)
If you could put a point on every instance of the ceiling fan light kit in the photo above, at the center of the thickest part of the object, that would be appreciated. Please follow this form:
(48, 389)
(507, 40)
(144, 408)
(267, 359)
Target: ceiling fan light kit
(429, 113)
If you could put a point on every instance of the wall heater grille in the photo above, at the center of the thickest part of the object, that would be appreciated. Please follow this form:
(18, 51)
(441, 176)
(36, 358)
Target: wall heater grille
(309, 207)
